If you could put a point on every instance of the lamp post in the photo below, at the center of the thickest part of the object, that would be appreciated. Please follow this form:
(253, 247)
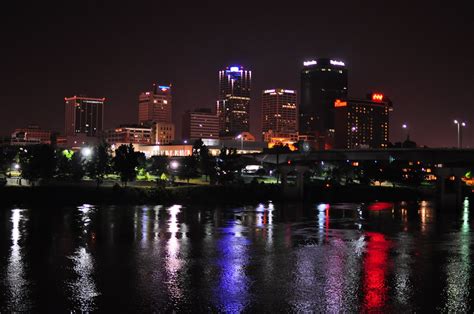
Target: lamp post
(241, 142)
(459, 125)
(405, 127)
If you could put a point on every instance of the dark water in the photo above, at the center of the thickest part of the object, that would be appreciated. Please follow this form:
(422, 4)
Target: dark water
(267, 258)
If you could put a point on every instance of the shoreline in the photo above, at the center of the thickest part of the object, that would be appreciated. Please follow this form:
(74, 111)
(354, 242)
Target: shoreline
(200, 195)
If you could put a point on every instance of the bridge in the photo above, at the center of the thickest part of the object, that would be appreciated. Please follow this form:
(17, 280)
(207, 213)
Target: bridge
(449, 165)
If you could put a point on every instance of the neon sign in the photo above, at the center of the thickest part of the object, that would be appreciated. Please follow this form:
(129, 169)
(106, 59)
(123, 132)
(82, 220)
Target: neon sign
(336, 62)
(377, 97)
(234, 69)
(339, 103)
(310, 62)
(163, 88)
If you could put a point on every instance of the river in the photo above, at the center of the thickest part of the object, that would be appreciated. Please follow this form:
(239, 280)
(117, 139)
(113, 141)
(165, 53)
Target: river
(389, 257)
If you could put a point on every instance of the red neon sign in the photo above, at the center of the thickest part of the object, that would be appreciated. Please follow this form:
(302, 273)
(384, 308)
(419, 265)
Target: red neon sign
(339, 103)
(377, 97)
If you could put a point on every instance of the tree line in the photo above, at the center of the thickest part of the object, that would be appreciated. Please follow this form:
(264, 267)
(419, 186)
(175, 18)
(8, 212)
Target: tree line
(47, 162)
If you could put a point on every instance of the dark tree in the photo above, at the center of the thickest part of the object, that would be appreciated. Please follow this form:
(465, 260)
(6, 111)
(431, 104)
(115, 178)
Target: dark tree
(38, 162)
(188, 168)
(125, 163)
(157, 165)
(98, 165)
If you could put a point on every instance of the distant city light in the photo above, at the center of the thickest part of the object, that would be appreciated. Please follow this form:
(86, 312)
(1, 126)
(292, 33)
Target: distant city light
(336, 62)
(234, 69)
(404, 126)
(310, 62)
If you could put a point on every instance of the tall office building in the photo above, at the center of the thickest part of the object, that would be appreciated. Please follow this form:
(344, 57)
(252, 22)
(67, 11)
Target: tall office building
(362, 123)
(233, 106)
(162, 133)
(279, 113)
(155, 105)
(200, 123)
(322, 82)
(84, 115)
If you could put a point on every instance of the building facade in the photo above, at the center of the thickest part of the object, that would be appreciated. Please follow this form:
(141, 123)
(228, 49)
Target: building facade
(200, 123)
(362, 123)
(155, 105)
(30, 135)
(279, 111)
(84, 115)
(233, 106)
(129, 134)
(323, 81)
(162, 133)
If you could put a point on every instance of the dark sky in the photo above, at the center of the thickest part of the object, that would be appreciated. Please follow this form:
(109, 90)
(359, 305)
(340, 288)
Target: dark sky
(418, 53)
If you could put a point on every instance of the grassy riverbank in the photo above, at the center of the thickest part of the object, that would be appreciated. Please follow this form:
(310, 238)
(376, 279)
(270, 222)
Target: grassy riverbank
(231, 194)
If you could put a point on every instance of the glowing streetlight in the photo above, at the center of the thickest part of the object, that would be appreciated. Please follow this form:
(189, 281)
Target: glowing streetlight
(16, 166)
(86, 152)
(459, 125)
(174, 164)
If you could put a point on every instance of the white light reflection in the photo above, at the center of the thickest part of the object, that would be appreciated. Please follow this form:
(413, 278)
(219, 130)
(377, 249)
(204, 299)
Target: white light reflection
(173, 262)
(458, 269)
(83, 287)
(16, 284)
(84, 290)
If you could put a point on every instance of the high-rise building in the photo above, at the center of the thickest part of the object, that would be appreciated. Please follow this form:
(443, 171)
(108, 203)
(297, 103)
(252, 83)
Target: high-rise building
(279, 111)
(323, 81)
(362, 123)
(134, 134)
(200, 123)
(155, 105)
(162, 133)
(84, 115)
(233, 106)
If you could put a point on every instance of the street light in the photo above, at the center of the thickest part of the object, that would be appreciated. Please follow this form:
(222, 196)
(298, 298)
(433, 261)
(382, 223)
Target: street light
(241, 141)
(405, 127)
(16, 166)
(86, 152)
(459, 125)
(174, 164)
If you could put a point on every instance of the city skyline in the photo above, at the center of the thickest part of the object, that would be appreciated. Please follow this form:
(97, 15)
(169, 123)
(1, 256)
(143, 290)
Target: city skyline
(429, 83)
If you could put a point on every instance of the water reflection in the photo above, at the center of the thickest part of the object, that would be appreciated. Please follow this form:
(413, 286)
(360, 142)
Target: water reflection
(375, 272)
(458, 269)
(327, 258)
(173, 261)
(83, 287)
(16, 283)
(232, 292)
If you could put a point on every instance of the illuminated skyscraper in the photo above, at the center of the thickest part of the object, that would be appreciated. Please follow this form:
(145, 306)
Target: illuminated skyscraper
(233, 106)
(322, 82)
(362, 123)
(84, 115)
(279, 112)
(155, 105)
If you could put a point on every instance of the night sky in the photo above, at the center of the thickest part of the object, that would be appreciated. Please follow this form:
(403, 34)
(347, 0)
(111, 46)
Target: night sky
(418, 53)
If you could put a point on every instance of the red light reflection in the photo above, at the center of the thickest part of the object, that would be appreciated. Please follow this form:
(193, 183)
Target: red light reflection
(375, 272)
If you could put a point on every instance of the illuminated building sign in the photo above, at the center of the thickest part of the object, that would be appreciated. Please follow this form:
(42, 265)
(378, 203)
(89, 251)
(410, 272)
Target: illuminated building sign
(377, 97)
(234, 69)
(289, 91)
(163, 88)
(336, 62)
(268, 91)
(310, 62)
(339, 103)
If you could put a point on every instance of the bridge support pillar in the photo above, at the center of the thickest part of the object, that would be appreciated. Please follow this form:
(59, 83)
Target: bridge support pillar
(292, 181)
(449, 187)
